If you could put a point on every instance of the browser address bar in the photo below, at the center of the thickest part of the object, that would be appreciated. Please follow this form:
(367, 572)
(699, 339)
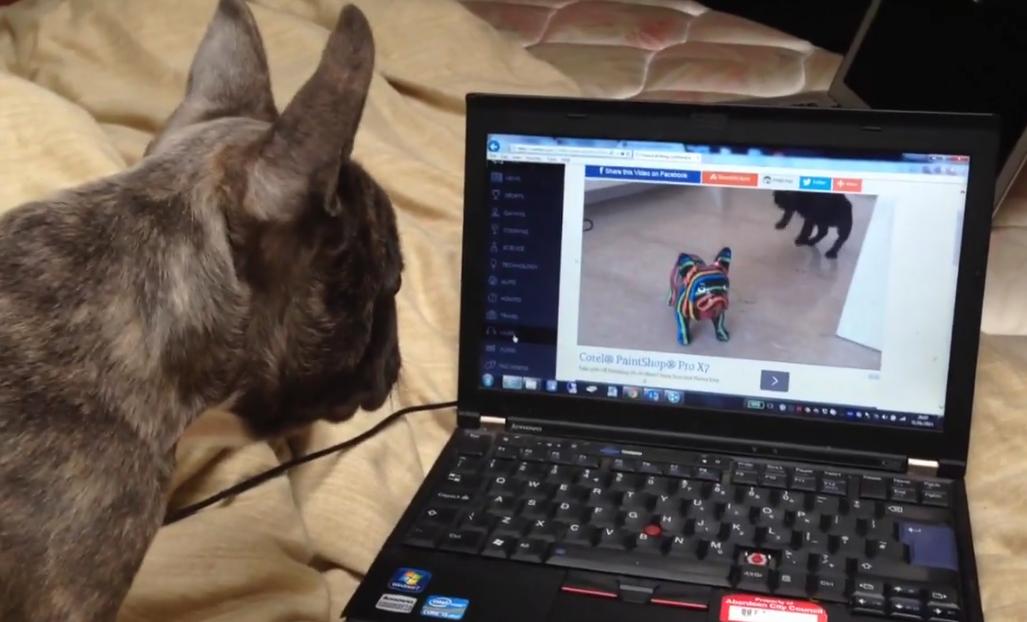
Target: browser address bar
(668, 156)
(571, 151)
(599, 152)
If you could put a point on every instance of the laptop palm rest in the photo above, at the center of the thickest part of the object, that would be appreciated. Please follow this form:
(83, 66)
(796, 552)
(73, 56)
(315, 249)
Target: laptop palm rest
(569, 608)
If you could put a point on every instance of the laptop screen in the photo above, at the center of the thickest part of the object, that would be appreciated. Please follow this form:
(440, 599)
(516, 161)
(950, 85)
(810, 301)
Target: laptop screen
(965, 57)
(755, 278)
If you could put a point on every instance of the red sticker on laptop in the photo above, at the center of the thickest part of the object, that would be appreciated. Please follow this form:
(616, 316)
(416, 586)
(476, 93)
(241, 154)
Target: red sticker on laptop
(751, 608)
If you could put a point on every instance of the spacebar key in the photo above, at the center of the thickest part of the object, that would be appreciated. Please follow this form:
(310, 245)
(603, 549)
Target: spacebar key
(650, 566)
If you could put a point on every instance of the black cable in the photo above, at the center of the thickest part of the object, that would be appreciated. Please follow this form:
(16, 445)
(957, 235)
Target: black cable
(260, 478)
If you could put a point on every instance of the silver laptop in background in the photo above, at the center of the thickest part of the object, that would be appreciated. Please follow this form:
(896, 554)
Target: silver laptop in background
(838, 94)
(967, 58)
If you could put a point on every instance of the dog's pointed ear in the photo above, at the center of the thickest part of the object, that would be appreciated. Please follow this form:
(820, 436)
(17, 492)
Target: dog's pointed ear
(307, 145)
(685, 263)
(229, 75)
(724, 258)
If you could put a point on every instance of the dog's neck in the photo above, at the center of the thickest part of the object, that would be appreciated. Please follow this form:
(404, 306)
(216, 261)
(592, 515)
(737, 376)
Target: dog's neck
(158, 323)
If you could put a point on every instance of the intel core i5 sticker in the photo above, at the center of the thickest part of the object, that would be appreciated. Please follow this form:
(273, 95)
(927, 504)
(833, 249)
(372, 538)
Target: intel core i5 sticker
(750, 608)
(410, 580)
(445, 607)
(396, 603)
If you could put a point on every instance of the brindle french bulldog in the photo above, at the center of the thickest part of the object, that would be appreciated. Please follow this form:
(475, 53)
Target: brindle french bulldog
(245, 260)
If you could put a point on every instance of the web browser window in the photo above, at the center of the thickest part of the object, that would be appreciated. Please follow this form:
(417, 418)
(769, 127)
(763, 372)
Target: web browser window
(792, 282)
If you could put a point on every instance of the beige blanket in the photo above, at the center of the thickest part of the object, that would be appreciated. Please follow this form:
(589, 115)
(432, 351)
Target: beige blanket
(84, 83)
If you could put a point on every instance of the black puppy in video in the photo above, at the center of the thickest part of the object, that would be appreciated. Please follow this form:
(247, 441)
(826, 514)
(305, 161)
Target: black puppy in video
(818, 209)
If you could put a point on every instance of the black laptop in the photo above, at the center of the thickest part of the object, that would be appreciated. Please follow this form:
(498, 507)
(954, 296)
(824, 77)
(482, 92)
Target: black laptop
(716, 364)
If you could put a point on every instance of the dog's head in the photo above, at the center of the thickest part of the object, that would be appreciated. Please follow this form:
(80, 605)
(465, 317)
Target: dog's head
(312, 237)
(783, 199)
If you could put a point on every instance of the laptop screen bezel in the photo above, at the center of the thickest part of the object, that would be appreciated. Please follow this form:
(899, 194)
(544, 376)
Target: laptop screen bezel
(973, 135)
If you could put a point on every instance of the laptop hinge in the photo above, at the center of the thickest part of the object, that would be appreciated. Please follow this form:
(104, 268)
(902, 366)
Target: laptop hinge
(473, 421)
(925, 468)
(492, 423)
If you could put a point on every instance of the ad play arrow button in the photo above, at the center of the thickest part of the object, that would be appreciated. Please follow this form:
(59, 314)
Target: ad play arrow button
(774, 380)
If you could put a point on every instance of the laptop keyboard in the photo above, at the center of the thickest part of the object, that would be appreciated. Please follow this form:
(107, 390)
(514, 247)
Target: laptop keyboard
(884, 545)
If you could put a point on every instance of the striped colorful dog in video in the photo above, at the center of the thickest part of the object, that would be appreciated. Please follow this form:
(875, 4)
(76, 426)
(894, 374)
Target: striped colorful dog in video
(698, 291)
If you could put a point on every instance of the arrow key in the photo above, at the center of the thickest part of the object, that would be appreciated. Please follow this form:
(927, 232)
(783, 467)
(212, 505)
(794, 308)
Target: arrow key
(898, 590)
(905, 609)
(943, 614)
(867, 605)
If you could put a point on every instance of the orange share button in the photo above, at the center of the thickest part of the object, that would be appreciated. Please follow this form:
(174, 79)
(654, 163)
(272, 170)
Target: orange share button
(729, 178)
